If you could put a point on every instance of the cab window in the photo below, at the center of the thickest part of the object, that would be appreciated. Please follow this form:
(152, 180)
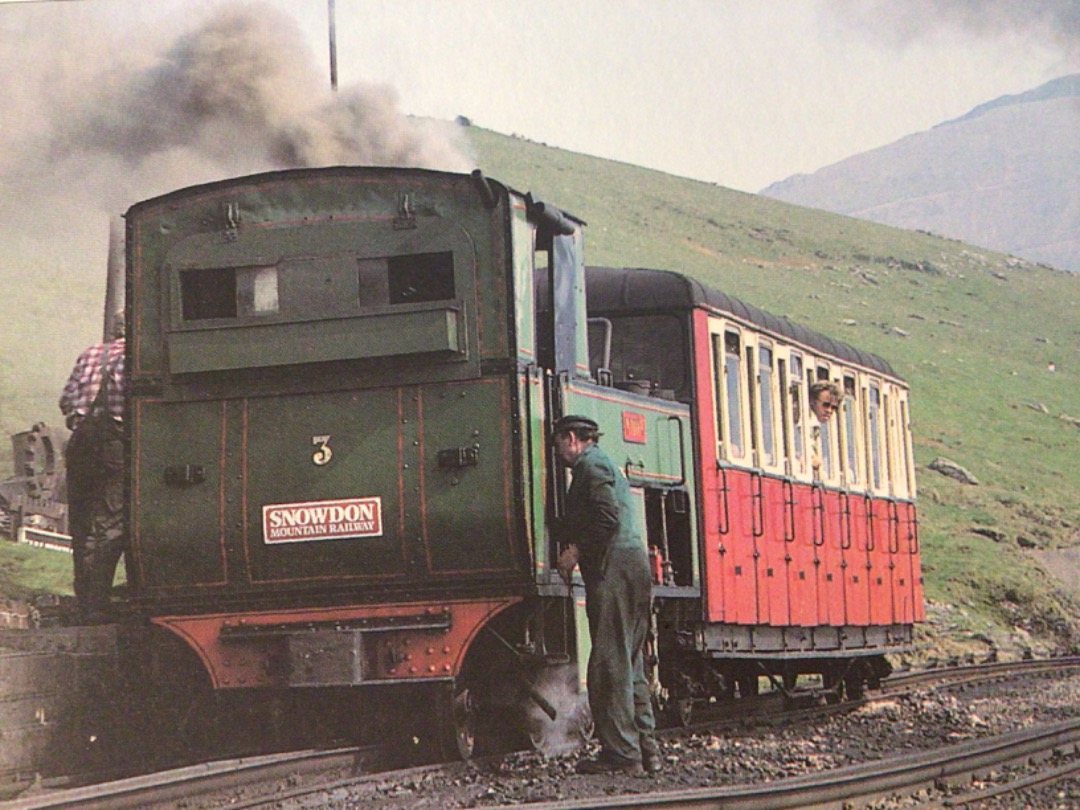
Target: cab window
(644, 349)
(308, 287)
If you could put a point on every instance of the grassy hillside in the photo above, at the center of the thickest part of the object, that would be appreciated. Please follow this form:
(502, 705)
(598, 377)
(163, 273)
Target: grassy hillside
(971, 330)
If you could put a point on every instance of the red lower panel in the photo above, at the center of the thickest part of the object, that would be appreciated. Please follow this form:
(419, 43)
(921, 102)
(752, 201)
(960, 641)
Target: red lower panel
(803, 592)
(856, 556)
(781, 553)
(246, 658)
(879, 572)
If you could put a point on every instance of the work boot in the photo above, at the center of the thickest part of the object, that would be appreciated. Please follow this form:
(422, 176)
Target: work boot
(651, 761)
(604, 764)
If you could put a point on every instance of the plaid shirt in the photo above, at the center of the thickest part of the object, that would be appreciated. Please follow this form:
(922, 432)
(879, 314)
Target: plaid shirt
(85, 381)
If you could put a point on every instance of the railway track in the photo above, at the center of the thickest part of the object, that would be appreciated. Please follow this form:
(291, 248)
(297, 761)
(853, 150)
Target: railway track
(859, 784)
(972, 673)
(232, 783)
(203, 782)
(312, 779)
(810, 704)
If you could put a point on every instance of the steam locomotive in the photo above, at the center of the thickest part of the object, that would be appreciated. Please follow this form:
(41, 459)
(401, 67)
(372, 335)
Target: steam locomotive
(343, 382)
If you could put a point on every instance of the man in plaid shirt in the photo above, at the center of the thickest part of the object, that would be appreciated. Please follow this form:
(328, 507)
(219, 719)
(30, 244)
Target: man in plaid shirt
(93, 405)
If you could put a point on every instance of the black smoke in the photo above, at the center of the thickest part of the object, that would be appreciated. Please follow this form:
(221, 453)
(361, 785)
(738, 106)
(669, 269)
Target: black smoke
(99, 114)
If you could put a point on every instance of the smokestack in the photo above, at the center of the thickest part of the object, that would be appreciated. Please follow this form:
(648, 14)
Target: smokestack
(114, 282)
(333, 46)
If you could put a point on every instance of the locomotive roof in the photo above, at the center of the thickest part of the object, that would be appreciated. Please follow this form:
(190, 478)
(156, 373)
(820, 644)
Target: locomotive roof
(612, 289)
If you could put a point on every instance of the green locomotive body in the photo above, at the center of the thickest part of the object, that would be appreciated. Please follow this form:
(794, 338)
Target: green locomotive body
(343, 382)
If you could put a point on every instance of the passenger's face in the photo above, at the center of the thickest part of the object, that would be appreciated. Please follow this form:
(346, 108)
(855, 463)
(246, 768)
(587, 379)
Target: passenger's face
(823, 406)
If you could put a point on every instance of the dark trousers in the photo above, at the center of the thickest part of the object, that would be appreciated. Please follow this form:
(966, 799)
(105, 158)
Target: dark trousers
(618, 604)
(95, 482)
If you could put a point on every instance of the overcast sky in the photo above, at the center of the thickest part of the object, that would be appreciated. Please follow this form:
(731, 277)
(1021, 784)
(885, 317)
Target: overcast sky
(737, 92)
(104, 103)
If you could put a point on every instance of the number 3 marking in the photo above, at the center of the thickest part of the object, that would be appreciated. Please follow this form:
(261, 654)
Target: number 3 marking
(323, 454)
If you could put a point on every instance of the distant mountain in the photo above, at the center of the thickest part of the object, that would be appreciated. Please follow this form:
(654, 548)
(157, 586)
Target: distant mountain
(1005, 176)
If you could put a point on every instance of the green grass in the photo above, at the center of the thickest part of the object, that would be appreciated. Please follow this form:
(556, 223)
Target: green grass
(26, 571)
(972, 331)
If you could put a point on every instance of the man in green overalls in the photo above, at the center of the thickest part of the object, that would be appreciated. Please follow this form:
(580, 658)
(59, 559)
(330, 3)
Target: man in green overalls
(599, 532)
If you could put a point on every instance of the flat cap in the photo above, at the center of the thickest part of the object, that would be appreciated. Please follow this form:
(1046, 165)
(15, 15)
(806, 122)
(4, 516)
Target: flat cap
(571, 422)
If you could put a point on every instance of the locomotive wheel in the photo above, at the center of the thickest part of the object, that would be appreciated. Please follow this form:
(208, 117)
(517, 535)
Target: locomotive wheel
(684, 711)
(464, 718)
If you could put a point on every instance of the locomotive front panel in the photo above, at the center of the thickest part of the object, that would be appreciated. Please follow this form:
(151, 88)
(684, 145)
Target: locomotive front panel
(310, 411)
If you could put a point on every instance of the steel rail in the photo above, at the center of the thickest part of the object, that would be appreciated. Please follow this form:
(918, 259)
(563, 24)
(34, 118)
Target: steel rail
(976, 672)
(182, 783)
(771, 707)
(1033, 780)
(861, 782)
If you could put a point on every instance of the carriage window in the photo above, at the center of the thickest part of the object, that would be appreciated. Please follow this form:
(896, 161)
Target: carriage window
(732, 385)
(909, 480)
(795, 393)
(752, 398)
(765, 395)
(874, 418)
(785, 412)
(889, 420)
(850, 433)
(822, 434)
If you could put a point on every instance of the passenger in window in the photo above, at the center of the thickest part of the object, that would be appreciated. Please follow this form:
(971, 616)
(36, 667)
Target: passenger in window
(825, 398)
